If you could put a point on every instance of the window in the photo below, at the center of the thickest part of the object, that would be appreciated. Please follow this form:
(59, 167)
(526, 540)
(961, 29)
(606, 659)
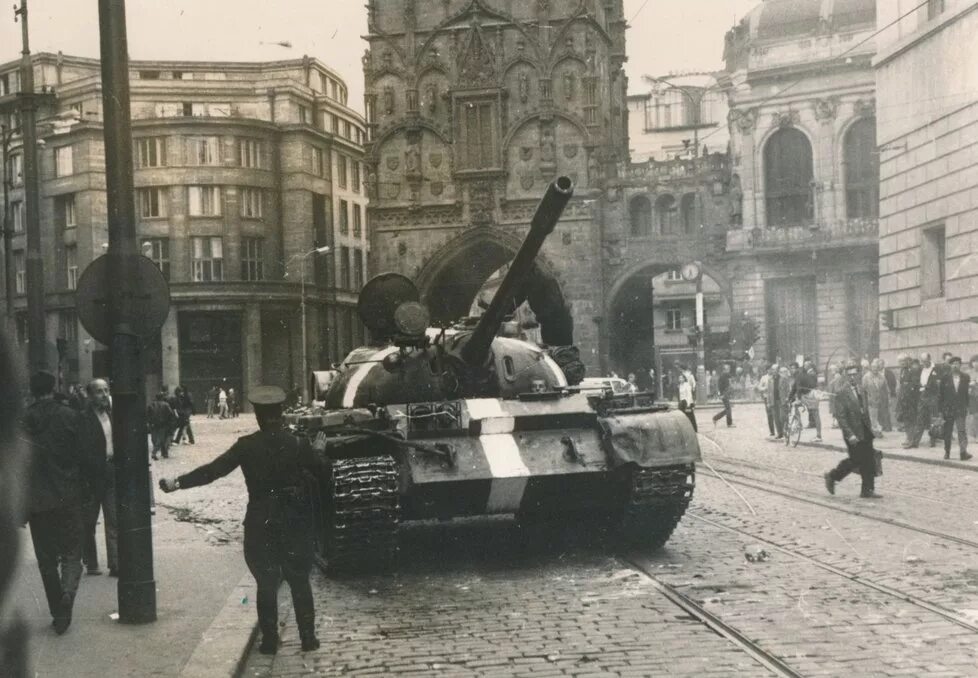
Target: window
(344, 217)
(687, 213)
(4, 84)
(17, 207)
(933, 263)
(335, 125)
(345, 280)
(358, 272)
(65, 209)
(252, 266)
(640, 216)
(357, 221)
(862, 170)
(251, 202)
(319, 164)
(355, 175)
(674, 275)
(332, 89)
(674, 319)
(205, 151)
(204, 201)
(71, 266)
(150, 202)
(158, 249)
(63, 165)
(149, 75)
(346, 130)
(170, 110)
(68, 330)
(206, 110)
(249, 153)
(303, 114)
(150, 152)
(478, 137)
(788, 175)
(208, 259)
(341, 170)
(20, 272)
(935, 7)
(15, 168)
(666, 214)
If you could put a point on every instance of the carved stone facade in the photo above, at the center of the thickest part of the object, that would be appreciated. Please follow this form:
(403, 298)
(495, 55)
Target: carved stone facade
(473, 107)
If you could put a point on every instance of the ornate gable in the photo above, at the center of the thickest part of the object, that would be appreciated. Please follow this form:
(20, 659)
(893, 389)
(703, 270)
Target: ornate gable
(477, 63)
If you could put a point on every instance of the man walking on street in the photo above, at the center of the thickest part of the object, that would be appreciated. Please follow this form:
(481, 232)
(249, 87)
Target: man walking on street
(723, 389)
(954, 407)
(55, 497)
(767, 387)
(184, 409)
(928, 388)
(98, 479)
(851, 410)
(874, 386)
(161, 418)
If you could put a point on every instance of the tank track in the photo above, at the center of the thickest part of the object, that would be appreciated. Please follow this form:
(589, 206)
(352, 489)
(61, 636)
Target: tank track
(657, 499)
(362, 516)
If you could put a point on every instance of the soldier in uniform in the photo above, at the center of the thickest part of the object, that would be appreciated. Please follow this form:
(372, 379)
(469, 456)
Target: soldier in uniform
(279, 535)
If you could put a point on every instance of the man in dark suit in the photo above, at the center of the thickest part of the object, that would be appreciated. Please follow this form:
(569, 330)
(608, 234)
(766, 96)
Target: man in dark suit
(98, 478)
(55, 497)
(852, 413)
(953, 403)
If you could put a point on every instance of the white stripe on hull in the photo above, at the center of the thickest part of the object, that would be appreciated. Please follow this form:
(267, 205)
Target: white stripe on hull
(352, 386)
(509, 473)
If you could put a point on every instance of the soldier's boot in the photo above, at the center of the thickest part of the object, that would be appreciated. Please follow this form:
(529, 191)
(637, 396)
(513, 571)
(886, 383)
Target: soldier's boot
(268, 623)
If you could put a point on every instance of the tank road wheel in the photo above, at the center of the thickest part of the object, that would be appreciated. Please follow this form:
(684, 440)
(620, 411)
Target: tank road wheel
(656, 499)
(362, 515)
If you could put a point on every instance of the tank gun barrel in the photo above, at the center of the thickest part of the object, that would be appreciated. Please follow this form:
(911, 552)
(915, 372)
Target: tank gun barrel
(476, 349)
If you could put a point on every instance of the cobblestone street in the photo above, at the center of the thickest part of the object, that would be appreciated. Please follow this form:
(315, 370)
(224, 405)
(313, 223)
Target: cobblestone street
(821, 585)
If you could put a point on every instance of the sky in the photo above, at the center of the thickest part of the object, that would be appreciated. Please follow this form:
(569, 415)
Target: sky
(665, 36)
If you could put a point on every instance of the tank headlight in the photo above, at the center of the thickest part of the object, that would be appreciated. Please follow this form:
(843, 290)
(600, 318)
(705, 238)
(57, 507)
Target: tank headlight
(411, 319)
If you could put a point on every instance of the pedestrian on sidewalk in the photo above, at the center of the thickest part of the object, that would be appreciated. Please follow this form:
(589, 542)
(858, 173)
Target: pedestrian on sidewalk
(55, 497)
(160, 418)
(973, 398)
(98, 479)
(786, 391)
(837, 381)
(687, 401)
(279, 532)
(723, 389)
(888, 415)
(874, 386)
(222, 403)
(766, 388)
(954, 399)
(928, 389)
(211, 402)
(806, 390)
(852, 412)
(185, 409)
(908, 395)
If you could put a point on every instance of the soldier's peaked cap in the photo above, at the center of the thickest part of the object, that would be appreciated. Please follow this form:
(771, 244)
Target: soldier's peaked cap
(266, 395)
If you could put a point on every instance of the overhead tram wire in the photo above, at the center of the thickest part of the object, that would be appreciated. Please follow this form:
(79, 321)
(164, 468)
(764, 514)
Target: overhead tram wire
(859, 44)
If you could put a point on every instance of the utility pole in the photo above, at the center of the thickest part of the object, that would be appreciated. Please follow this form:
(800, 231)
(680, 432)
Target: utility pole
(8, 229)
(137, 588)
(36, 333)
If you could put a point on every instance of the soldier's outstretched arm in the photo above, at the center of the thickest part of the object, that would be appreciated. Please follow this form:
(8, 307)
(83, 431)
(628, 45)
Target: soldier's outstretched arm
(207, 473)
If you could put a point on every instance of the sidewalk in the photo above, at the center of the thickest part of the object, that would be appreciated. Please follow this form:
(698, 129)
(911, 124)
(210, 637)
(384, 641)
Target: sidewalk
(752, 420)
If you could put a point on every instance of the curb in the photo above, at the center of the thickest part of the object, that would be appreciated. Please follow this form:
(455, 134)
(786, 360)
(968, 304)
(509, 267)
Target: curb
(897, 455)
(226, 643)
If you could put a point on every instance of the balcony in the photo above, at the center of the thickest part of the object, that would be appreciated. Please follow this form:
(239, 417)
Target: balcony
(664, 170)
(847, 233)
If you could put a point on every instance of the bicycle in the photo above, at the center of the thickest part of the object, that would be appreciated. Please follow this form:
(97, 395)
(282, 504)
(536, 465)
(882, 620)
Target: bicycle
(793, 427)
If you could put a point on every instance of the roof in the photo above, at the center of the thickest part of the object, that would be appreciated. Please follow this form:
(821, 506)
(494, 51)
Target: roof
(787, 19)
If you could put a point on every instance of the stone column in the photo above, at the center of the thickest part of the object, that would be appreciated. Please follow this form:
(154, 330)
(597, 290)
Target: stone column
(251, 340)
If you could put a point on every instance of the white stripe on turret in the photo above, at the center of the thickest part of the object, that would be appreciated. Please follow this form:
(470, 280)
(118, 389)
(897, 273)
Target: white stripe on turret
(361, 372)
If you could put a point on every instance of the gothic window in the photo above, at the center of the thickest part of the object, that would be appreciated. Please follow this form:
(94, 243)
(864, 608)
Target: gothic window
(640, 214)
(788, 175)
(862, 163)
(687, 213)
(666, 215)
(478, 148)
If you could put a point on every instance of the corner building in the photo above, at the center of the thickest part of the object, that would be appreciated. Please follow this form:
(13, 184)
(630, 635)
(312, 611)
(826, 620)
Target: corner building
(241, 169)
(473, 107)
(802, 255)
(926, 81)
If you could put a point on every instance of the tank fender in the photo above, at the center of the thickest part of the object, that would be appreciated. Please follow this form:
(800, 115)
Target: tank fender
(649, 440)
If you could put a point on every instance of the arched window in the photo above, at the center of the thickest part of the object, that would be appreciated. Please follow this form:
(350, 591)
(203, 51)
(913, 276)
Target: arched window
(687, 213)
(862, 162)
(640, 214)
(788, 176)
(667, 215)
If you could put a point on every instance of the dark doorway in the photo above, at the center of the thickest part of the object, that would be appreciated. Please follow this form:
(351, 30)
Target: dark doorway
(791, 318)
(210, 352)
(632, 328)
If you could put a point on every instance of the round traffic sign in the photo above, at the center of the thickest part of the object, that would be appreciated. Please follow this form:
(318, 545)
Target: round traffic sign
(149, 292)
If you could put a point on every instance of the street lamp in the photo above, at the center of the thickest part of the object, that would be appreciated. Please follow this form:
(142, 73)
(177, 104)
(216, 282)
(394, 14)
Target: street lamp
(302, 305)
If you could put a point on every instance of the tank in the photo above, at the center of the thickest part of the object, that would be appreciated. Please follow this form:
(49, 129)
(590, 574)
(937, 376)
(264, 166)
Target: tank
(445, 422)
